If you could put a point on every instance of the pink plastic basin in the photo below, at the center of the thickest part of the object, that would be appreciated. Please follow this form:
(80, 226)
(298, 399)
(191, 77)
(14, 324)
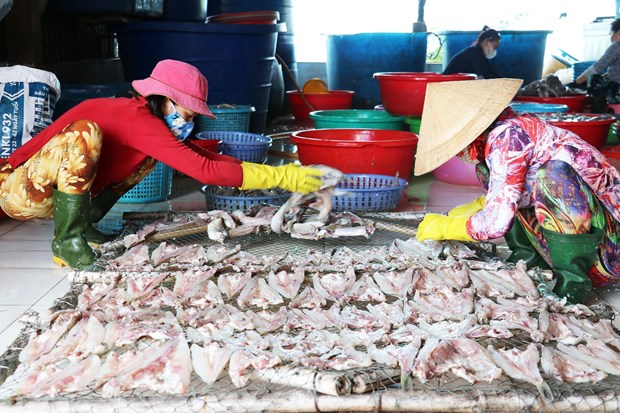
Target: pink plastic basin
(457, 172)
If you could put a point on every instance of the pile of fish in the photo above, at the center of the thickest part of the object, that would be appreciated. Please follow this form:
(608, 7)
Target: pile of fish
(574, 117)
(157, 320)
(302, 216)
(551, 86)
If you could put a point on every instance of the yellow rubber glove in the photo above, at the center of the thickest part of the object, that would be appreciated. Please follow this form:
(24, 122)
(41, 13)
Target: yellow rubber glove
(468, 209)
(440, 227)
(292, 177)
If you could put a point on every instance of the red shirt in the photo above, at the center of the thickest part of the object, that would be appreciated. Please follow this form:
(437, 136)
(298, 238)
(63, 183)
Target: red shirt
(131, 134)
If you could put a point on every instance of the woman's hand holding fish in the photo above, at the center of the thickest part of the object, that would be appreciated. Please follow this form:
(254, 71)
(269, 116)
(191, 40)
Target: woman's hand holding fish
(291, 177)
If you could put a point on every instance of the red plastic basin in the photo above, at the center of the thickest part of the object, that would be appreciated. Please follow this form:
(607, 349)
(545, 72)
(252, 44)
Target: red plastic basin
(363, 151)
(402, 93)
(594, 131)
(334, 99)
(208, 144)
(612, 153)
(246, 17)
(575, 103)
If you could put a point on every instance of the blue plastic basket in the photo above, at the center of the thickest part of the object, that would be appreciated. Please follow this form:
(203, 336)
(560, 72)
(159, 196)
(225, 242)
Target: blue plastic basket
(248, 147)
(367, 193)
(580, 67)
(236, 119)
(156, 186)
(232, 203)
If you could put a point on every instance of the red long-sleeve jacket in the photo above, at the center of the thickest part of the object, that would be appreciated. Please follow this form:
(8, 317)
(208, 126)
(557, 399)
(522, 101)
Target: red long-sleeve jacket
(131, 134)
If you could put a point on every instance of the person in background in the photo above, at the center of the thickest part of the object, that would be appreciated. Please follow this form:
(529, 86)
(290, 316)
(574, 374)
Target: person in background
(78, 167)
(476, 58)
(554, 197)
(603, 77)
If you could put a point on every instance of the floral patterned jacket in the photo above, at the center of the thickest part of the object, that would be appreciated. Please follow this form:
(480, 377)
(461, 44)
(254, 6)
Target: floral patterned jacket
(514, 151)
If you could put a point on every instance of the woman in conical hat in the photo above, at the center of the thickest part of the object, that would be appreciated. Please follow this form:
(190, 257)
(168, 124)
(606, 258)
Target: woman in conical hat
(554, 197)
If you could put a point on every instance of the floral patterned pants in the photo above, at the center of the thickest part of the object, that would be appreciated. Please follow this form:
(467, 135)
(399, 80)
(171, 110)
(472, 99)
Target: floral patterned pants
(565, 203)
(68, 162)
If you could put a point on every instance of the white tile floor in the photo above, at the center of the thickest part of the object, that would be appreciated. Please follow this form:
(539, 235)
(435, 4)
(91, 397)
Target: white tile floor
(30, 281)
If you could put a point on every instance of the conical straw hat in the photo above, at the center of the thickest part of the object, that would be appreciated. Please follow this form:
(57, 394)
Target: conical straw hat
(455, 113)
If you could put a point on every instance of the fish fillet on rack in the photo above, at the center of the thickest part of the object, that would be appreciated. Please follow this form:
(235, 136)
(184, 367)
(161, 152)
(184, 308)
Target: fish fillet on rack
(286, 283)
(566, 368)
(595, 353)
(522, 365)
(40, 344)
(209, 361)
(161, 367)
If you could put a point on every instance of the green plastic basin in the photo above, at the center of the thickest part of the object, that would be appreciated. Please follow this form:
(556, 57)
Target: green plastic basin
(357, 119)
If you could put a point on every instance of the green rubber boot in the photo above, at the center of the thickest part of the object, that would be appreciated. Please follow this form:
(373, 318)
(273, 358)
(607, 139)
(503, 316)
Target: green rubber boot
(69, 247)
(99, 207)
(522, 248)
(572, 256)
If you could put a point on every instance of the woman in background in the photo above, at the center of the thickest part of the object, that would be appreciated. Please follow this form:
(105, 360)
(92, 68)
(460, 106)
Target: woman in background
(603, 77)
(476, 58)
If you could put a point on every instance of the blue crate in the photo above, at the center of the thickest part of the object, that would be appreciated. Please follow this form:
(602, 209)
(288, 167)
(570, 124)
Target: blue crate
(156, 186)
(216, 201)
(580, 67)
(236, 119)
(369, 193)
(247, 147)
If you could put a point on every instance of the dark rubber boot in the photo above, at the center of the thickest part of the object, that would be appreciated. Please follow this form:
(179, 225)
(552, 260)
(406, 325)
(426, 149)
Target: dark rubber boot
(572, 256)
(522, 248)
(69, 246)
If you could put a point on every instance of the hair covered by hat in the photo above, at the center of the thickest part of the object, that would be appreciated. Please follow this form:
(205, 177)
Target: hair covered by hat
(180, 82)
(455, 113)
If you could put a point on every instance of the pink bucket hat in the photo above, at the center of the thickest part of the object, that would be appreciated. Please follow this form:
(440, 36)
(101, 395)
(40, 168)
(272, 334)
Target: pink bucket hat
(178, 81)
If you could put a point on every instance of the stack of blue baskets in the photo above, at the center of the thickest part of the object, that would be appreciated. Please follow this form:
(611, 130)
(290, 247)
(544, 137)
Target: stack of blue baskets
(369, 193)
(247, 147)
(227, 118)
(580, 67)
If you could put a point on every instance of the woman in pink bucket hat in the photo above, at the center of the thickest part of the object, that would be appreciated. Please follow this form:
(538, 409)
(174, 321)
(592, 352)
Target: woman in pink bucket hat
(79, 166)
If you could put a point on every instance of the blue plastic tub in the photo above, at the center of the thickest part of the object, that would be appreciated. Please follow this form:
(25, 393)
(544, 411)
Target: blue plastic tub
(72, 94)
(285, 47)
(532, 107)
(352, 59)
(520, 54)
(237, 59)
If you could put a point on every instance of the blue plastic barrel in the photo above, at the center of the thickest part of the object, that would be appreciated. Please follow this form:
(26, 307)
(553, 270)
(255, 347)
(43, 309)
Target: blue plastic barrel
(352, 59)
(284, 7)
(285, 46)
(237, 59)
(185, 10)
(520, 55)
(72, 94)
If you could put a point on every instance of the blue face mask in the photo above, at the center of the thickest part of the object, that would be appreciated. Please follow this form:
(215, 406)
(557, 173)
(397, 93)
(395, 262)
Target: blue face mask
(179, 126)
